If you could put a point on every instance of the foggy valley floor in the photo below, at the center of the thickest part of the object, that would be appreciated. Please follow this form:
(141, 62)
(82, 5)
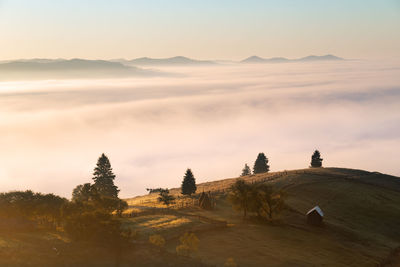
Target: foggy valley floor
(210, 118)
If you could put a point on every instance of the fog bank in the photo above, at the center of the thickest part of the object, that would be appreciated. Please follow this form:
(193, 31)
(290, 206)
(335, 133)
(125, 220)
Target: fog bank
(213, 119)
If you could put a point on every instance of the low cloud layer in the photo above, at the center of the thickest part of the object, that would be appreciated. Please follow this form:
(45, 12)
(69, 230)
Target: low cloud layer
(211, 119)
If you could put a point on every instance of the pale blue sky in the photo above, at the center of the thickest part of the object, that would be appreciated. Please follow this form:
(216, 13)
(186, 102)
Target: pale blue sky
(200, 29)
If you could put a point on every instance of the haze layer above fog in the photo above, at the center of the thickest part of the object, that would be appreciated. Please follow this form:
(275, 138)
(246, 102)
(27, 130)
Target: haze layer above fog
(213, 119)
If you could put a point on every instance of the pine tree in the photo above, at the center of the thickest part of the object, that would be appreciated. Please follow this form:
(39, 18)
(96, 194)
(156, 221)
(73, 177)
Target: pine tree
(261, 164)
(103, 178)
(246, 170)
(188, 183)
(316, 160)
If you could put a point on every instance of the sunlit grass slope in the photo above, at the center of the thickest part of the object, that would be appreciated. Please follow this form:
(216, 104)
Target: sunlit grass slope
(362, 216)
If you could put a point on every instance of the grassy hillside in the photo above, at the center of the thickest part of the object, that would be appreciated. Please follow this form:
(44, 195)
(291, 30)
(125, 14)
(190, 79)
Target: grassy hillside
(361, 227)
(362, 215)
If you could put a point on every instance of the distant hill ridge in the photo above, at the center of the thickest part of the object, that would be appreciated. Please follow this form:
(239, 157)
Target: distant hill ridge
(257, 59)
(32, 69)
(37, 64)
(178, 60)
(59, 64)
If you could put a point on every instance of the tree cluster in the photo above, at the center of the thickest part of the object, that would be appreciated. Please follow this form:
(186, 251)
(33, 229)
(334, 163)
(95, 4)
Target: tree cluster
(260, 199)
(89, 215)
(26, 206)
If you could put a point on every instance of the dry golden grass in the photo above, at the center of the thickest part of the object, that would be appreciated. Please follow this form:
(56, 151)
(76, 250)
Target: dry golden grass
(361, 222)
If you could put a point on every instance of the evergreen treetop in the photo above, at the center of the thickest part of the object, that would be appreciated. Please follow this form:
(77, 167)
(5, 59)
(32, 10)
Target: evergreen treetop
(316, 160)
(188, 184)
(103, 178)
(261, 164)
(246, 170)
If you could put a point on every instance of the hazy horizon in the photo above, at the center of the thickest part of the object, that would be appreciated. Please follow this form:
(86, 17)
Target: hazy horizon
(199, 29)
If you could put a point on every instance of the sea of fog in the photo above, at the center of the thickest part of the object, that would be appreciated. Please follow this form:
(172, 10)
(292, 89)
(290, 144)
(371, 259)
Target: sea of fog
(211, 119)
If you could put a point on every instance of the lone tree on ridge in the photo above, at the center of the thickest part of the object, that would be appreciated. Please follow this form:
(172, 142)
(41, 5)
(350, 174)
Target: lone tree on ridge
(188, 184)
(261, 164)
(316, 160)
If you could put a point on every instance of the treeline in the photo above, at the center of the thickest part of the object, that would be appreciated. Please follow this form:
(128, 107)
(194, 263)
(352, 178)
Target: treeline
(261, 198)
(88, 216)
(258, 198)
(261, 164)
(28, 208)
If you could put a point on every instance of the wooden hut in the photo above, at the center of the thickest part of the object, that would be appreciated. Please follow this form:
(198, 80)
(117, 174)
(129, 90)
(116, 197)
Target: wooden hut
(315, 216)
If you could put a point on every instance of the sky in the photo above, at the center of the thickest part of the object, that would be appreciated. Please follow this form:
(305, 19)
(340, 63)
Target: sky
(212, 119)
(203, 29)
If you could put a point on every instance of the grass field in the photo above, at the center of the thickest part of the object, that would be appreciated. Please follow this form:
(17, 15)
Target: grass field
(362, 214)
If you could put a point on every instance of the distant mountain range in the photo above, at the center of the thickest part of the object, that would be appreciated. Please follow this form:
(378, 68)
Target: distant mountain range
(256, 59)
(60, 64)
(62, 68)
(174, 61)
(41, 68)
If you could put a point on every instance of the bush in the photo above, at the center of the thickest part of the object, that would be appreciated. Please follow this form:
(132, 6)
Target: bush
(165, 197)
(189, 244)
(157, 240)
(239, 196)
(230, 262)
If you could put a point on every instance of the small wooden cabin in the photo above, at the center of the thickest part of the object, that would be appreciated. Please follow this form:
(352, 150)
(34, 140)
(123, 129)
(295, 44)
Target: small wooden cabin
(315, 216)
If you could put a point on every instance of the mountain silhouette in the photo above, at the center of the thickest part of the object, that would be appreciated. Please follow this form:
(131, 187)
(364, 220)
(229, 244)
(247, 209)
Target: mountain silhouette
(62, 68)
(257, 59)
(178, 60)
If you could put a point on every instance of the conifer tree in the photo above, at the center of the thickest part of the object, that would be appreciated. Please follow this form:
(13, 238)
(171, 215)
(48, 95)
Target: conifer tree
(316, 160)
(188, 183)
(261, 164)
(103, 178)
(246, 170)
